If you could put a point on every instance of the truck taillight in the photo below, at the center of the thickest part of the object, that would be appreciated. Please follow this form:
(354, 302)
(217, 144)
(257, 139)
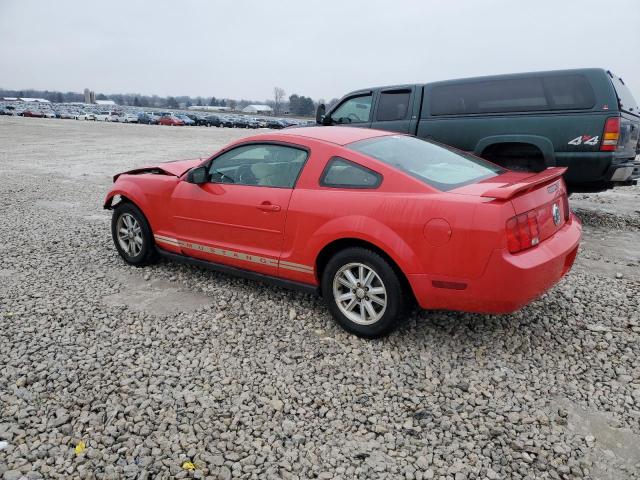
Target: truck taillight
(523, 232)
(611, 134)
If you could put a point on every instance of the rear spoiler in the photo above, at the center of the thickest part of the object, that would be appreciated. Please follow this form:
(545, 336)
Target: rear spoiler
(509, 191)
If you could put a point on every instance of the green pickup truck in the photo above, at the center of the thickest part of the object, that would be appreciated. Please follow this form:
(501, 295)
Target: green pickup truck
(585, 119)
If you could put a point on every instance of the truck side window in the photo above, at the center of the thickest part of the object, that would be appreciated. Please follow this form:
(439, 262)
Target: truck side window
(353, 110)
(393, 105)
(525, 94)
(569, 92)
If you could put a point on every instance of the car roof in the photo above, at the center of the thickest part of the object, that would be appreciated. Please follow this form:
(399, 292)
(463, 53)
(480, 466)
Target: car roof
(337, 135)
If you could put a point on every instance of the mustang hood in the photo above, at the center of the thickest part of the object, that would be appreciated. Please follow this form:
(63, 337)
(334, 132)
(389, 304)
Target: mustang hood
(176, 168)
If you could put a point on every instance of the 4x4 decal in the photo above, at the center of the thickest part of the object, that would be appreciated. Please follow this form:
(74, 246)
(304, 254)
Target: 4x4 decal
(585, 140)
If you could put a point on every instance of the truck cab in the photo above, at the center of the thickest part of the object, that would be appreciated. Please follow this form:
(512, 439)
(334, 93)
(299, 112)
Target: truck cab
(394, 108)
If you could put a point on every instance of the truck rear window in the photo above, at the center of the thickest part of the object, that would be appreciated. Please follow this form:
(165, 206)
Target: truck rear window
(626, 101)
(554, 92)
(440, 167)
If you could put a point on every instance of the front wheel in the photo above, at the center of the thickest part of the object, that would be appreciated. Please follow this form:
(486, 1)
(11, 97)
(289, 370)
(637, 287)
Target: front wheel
(132, 235)
(363, 292)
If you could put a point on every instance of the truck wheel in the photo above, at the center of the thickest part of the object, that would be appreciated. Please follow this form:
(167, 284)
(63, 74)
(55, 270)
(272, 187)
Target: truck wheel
(363, 292)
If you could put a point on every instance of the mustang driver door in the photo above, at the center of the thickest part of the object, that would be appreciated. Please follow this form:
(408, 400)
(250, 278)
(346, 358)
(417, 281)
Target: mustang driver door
(238, 216)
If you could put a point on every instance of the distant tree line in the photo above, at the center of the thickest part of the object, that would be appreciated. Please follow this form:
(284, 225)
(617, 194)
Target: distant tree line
(301, 105)
(296, 105)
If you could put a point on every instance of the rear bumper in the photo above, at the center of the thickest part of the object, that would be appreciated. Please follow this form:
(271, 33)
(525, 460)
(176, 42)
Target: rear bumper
(598, 167)
(624, 172)
(509, 281)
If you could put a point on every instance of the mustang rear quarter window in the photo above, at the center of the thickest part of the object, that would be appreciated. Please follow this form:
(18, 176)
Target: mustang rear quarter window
(341, 173)
(435, 165)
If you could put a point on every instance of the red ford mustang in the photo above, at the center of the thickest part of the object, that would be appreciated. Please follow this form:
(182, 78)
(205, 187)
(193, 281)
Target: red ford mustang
(170, 121)
(371, 220)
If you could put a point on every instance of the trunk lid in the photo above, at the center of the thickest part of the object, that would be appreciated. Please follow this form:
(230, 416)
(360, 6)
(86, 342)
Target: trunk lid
(543, 193)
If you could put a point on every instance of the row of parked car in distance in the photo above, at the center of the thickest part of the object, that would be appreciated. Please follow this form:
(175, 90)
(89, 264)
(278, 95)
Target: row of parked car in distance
(149, 117)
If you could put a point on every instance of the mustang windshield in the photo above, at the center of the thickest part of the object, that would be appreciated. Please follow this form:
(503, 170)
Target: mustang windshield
(435, 165)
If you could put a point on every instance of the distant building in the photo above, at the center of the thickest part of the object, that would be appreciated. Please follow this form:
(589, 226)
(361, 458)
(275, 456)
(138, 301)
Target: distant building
(89, 96)
(257, 109)
(35, 100)
(108, 103)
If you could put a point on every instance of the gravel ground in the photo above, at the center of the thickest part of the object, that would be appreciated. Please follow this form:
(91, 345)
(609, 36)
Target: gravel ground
(108, 371)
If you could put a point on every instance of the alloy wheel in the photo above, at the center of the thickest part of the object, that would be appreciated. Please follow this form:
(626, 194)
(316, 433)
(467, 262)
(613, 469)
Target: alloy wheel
(129, 235)
(360, 293)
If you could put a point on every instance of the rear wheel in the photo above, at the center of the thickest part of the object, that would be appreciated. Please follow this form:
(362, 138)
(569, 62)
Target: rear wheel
(132, 235)
(363, 292)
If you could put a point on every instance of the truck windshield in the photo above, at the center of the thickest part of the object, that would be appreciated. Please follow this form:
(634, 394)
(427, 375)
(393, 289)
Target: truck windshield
(435, 165)
(625, 99)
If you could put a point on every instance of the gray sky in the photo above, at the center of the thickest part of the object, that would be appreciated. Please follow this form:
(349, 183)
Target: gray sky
(323, 49)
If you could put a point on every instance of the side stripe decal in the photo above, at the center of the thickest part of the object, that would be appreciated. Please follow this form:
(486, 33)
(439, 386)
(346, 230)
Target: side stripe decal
(170, 241)
(272, 262)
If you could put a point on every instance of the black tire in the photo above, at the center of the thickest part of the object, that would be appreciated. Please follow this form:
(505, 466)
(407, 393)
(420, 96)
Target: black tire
(388, 278)
(147, 252)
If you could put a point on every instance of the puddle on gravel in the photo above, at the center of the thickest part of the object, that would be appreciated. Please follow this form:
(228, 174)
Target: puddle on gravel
(7, 276)
(6, 273)
(619, 201)
(96, 214)
(57, 205)
(98, 217)
(607, 253)
(616, 451)
(155, 296)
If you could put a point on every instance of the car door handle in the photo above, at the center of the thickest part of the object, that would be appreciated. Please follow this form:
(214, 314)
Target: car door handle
(269, 207)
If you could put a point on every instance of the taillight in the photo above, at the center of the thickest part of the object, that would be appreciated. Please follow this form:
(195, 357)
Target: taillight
(523, 232)
(611, 134)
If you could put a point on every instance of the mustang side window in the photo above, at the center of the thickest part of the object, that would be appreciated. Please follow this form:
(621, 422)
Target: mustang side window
(341, 173)
(353, 110)
(263, 165)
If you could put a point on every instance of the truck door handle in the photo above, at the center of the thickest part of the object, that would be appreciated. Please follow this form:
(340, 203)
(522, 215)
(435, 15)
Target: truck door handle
(269, 207)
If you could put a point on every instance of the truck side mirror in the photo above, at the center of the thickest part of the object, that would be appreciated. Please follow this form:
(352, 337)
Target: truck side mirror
(320, 114)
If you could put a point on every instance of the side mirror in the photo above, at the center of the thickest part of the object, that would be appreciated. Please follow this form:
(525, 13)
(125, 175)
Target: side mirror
(198, 175)
(320, 114)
